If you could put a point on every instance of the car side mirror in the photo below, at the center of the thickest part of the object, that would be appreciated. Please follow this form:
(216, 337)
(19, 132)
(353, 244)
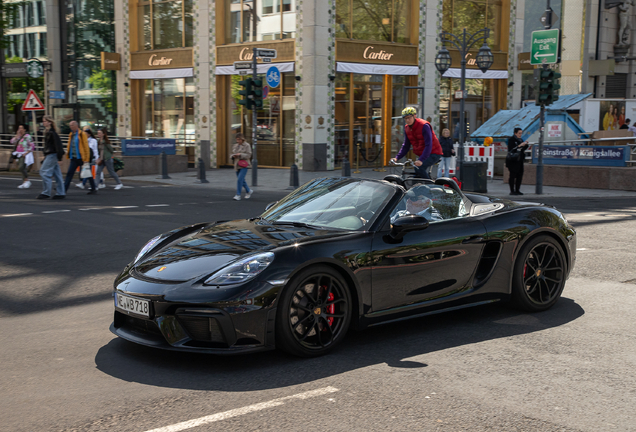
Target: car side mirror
(405, 224)
(270, 205)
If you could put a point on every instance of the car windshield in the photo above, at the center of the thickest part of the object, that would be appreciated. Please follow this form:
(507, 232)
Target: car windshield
(332, 203)
(435, 202)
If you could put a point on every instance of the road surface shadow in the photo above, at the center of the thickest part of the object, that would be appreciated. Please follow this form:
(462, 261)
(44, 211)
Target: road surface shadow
(390, 344)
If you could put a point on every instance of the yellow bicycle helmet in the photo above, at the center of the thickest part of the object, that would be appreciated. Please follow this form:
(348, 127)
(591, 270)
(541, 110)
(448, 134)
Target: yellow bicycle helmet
(408, 111)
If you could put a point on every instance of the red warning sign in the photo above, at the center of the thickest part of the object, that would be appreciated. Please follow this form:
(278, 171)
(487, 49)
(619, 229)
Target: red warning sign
(32, 102)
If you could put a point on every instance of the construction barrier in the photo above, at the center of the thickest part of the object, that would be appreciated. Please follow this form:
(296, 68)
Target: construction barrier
(476, 153)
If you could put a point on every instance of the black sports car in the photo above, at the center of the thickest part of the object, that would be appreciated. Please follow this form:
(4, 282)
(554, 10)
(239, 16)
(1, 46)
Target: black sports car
(340, 253)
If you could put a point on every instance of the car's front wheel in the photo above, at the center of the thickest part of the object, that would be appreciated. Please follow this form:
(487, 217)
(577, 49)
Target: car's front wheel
(314, 312)
(539, 274)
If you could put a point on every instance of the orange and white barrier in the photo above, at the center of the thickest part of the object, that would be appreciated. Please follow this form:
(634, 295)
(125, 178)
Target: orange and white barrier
(476, 153)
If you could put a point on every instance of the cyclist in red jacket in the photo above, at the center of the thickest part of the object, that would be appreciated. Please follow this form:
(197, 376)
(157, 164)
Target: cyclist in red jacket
(419, 134)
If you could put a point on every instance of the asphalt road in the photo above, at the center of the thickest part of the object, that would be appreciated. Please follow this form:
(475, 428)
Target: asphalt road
(483, 369)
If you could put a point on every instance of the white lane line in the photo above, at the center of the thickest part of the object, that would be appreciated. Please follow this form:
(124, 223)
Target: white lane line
(56, 211)
(158, 205)
(578, 249)
(124, 207)
(242, 411)
(91, 208)
(17, 214)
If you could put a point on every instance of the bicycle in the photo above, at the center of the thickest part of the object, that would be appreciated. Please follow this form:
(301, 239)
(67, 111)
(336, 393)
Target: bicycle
(408, 181)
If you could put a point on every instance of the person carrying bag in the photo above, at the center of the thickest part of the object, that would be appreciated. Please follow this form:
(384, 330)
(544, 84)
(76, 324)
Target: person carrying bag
(515, 159)
(241, 155)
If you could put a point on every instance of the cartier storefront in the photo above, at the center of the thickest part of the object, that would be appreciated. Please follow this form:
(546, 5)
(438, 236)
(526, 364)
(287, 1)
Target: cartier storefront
(275, 120)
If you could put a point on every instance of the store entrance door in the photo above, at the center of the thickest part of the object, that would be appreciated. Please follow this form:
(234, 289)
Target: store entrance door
(367, 123)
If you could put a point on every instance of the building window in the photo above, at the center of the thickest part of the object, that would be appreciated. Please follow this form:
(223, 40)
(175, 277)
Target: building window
(41, 13)
(474, 15)
(168, 108)
(275, 19)
(373, 20)
(165, 24)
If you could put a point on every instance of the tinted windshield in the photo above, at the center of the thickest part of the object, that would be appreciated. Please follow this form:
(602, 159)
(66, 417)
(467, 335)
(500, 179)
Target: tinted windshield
(334, 203)
(435, 202)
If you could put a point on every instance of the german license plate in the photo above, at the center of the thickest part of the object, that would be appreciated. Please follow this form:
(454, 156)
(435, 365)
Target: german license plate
(132, 304)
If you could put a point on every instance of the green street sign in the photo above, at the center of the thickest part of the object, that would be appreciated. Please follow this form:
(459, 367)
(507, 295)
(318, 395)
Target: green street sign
(545, 47)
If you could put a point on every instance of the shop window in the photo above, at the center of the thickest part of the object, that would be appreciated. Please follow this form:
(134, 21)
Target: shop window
(165, 24)
(276, 121)
(482, 101)
(474, 15)
(168, 109)
(275, 19)
(374, 20)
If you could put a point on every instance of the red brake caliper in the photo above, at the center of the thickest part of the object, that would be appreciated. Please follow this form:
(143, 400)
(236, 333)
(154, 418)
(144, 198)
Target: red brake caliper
(330, 309)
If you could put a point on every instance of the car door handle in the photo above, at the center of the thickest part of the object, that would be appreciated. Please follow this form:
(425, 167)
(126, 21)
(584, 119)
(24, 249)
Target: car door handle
(473, 240)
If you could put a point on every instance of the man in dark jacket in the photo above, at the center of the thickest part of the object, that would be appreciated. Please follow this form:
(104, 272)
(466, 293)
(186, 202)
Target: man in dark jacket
(448, 152)
(419, 134)
(53, 153)
(516, 145)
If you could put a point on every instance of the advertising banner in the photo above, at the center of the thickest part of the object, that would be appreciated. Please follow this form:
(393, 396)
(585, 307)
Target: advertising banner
(149, 147)
(582, 155)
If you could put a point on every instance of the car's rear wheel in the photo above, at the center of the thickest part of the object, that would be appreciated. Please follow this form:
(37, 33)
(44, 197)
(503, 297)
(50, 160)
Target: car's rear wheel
(314, 312)
(539, 274)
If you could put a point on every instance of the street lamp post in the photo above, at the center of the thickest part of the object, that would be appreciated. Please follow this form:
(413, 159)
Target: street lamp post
(484, 59)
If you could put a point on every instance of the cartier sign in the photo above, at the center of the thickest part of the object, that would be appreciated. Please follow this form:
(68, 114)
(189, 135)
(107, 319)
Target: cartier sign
(164, 59)
(111, 61)
(376, 52)
(228, 54)
(500, 60)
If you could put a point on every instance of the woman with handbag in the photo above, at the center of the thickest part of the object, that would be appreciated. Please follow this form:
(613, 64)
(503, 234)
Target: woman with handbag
(241, 155)
(515, 159)
(50, 169)
(106, 157)
(24, 149)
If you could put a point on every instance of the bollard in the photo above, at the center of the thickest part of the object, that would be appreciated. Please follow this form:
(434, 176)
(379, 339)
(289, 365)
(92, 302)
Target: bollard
(346, 168)
(293, 177)
(164, 166)
(202, 172)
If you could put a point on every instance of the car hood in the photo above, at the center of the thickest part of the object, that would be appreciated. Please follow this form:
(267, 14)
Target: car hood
(213, 246)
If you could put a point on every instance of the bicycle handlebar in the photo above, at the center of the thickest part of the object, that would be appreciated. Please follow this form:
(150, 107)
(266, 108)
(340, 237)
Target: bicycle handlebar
(402, 164)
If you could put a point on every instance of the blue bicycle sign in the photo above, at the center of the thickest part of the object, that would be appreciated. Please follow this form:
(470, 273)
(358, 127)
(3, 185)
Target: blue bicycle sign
(273, 77)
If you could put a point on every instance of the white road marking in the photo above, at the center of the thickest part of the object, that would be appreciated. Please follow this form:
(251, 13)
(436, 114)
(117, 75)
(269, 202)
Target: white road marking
(124, 207)
(578, 249)
(56, 211)
(91, 208)
(17, 214)
(158, 205)
(242, 411)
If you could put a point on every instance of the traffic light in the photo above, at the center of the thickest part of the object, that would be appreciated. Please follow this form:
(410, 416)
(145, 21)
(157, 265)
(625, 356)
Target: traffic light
(547, 87)
(257, 92)
(246, 92)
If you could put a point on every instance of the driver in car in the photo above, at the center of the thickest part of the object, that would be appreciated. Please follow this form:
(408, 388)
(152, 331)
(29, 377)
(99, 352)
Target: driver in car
(419, 205)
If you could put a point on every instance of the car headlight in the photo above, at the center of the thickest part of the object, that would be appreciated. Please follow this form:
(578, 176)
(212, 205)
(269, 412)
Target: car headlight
(146, 248)
(242, 270)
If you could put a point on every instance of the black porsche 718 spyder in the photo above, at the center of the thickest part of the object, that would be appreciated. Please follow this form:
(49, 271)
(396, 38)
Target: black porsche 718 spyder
(339, 253)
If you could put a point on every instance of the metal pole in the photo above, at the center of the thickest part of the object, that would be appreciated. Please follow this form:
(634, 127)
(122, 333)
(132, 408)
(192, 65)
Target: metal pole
(254, 120)
(462, 127)
(539, 175)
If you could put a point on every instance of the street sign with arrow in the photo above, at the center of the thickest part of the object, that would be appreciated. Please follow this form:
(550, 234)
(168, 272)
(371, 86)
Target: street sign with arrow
(545, 47)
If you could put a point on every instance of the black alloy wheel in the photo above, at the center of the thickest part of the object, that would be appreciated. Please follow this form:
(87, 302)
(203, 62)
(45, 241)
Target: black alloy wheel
(314, 313)
(539, 274)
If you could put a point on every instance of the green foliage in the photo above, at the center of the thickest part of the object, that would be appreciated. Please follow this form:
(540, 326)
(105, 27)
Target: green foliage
(102, 83)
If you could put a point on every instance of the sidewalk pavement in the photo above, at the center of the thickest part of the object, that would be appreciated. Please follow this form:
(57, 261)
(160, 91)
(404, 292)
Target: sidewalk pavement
(279, 180)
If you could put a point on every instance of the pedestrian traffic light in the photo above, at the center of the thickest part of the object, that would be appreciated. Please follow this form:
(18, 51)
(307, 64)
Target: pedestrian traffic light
(246, 92)
(547, 87)
(257, 92)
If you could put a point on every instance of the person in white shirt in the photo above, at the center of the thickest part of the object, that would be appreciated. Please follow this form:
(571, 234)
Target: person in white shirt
(92, 144)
